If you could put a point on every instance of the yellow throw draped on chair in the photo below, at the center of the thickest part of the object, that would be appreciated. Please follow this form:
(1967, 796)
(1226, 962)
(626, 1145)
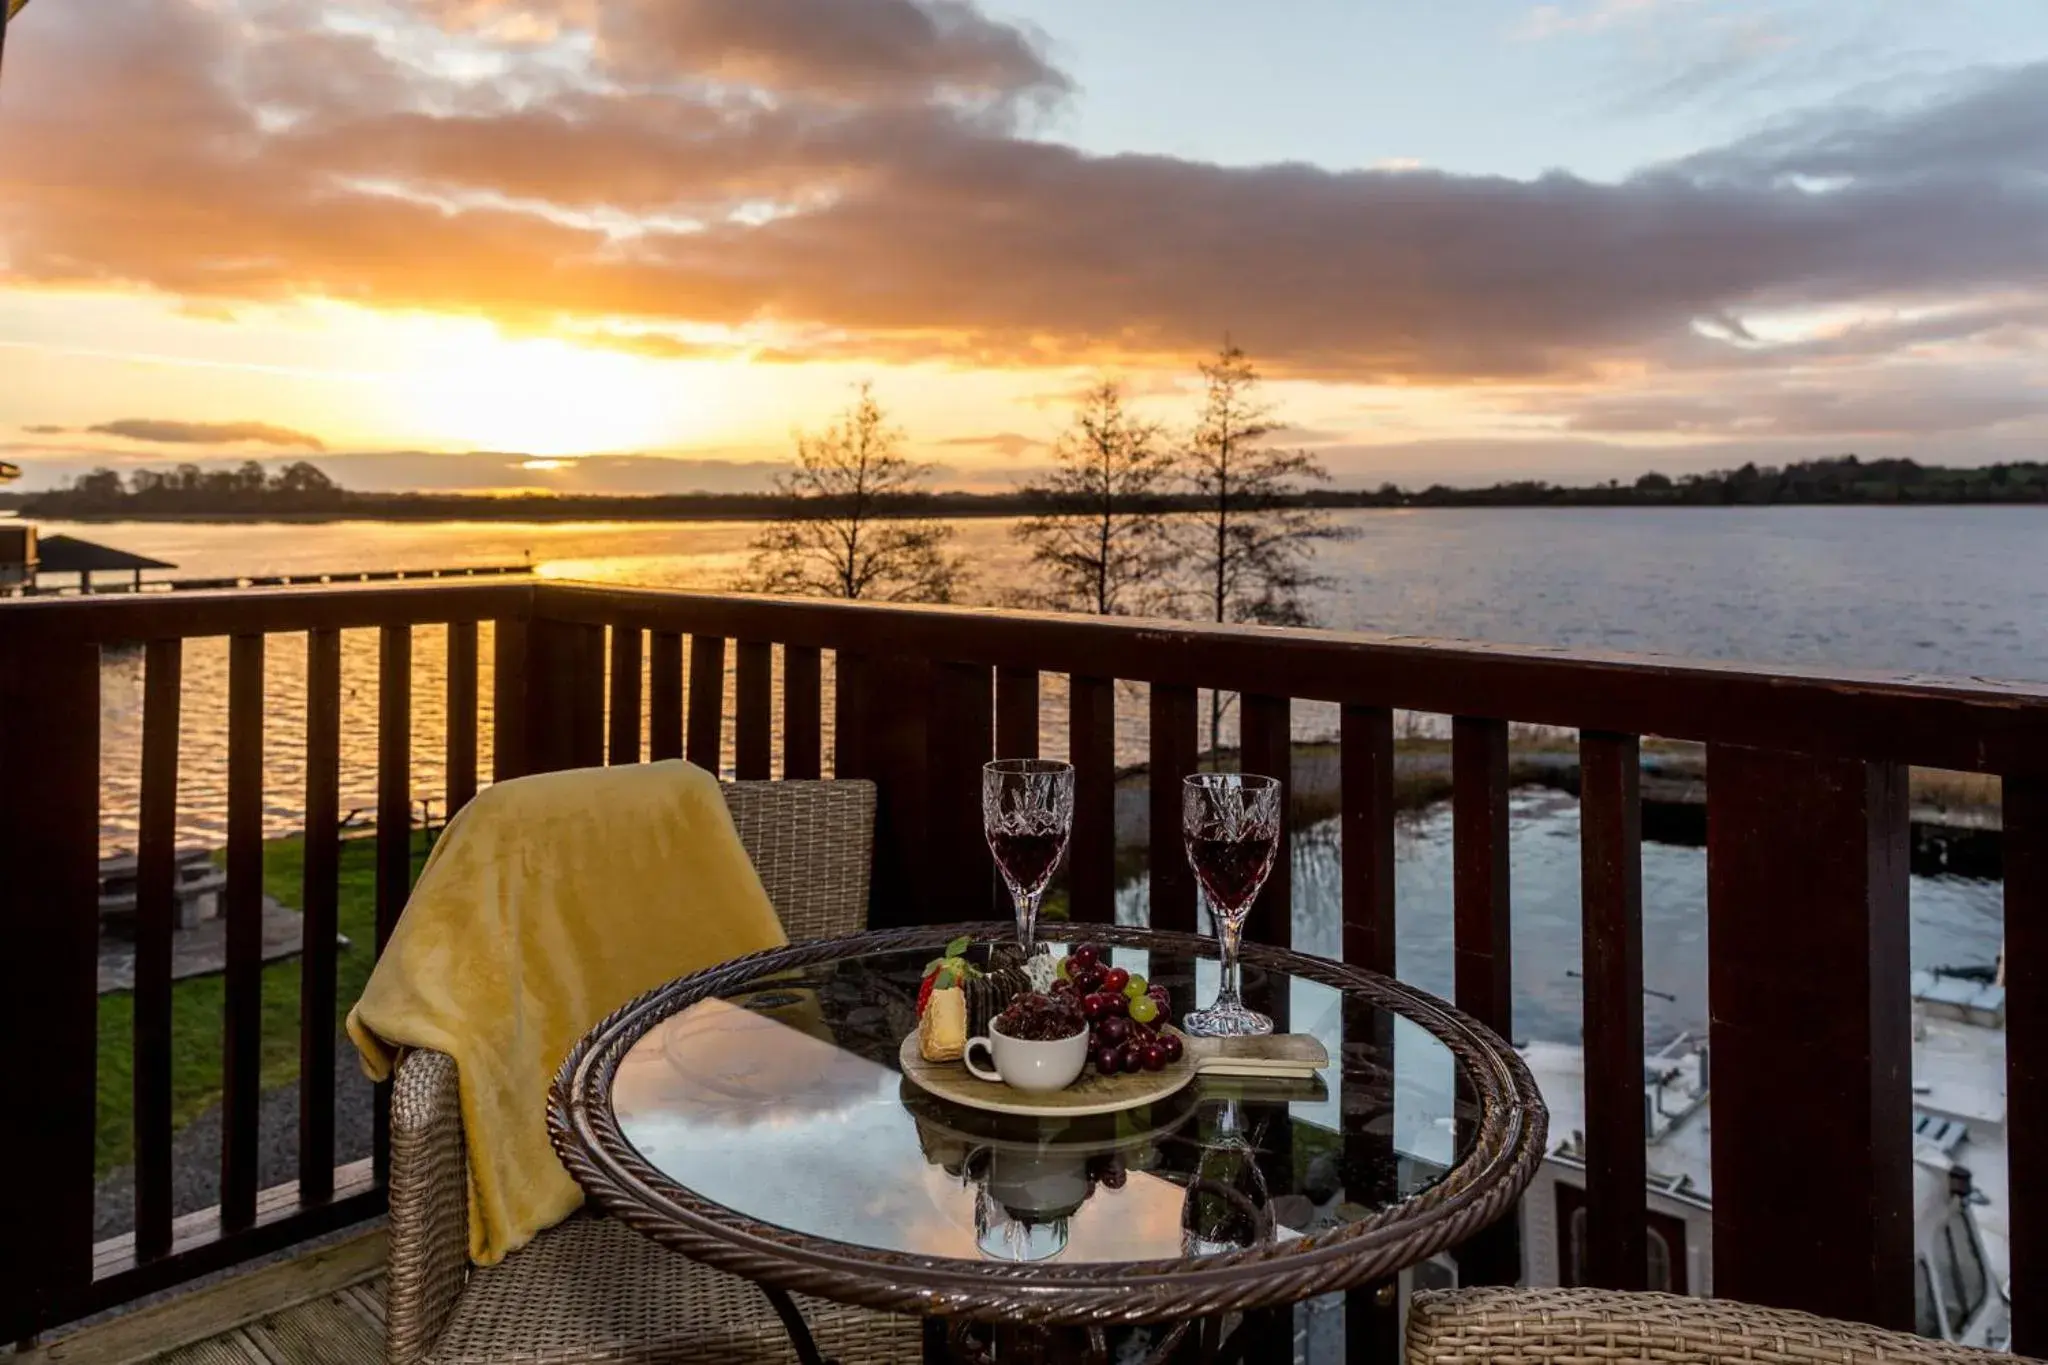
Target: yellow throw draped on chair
(549, 902)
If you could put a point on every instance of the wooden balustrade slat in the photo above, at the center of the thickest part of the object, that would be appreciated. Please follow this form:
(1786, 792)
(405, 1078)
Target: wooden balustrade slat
(803, 712)
(461, 738)
(1266, 746)
(510, 649)
(958, 741)
(319, 895)
(892, 724)
(707, 701)
(394, 777)
(1810, 1033)
(1173, 755)
(1017, 713)
(1371, 1164)
(624, 719)
(1372, 1316)
(156, 906)
(1611, 911)
(49, 846)
(753, 707)
(586, 696)
(394, 819)
(242, 907)
(1366, 775)
(1091, 741)
(1483, 966)
(665, 695)
(1479, 838)
(2025, 840)
(849, 714)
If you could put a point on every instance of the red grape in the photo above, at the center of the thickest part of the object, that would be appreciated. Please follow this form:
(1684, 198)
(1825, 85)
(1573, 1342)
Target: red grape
(1094, 1007)
(1110, 1060)
(1115, 1004)
(1154, 1056)
(1084, 955)
(1115, 979)
(1115, 1030)
(1170, 1042)
(1112, 1176)
(1087, 980)
(1133, 1059)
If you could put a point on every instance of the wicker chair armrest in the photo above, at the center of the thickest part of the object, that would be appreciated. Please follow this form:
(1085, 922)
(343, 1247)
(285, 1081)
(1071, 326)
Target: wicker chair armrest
(429, 1259)
(1541, 1326)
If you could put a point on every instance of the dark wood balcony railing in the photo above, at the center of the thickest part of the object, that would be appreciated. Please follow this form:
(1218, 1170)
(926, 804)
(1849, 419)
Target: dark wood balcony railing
(1807, 852)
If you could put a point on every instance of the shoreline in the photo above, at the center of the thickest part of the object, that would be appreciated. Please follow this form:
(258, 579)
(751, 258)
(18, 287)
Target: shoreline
(548, 510)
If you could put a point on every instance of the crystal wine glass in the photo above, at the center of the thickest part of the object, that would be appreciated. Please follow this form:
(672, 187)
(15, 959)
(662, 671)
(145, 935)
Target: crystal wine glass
(1231, 822)
(1027, 812)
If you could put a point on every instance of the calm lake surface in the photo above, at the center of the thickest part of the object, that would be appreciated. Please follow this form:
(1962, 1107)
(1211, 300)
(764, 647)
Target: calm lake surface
(1960, 591)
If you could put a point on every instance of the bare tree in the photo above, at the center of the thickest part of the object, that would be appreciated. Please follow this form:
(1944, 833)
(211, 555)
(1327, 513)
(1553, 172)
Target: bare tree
(837, 537)
(1249, 543)
(1103, 547)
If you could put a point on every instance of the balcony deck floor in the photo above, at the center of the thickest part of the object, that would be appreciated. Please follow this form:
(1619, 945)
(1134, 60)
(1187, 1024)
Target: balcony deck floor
(343, 1328)
(320, 1304)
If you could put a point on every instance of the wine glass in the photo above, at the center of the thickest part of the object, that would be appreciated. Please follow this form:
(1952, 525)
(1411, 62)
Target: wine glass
(1231, 823)
(1027, 812)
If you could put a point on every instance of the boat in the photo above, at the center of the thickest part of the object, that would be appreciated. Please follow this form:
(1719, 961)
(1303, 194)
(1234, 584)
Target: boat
(1962, 1249)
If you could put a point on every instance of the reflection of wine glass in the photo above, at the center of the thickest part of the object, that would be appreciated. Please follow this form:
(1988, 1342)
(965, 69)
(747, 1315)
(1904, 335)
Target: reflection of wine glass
(1226, 1206)
(1027, 812)
(1231, 825)
(1023, 1200)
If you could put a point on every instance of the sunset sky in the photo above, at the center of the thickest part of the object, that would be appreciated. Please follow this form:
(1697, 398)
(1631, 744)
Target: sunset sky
(630, 244)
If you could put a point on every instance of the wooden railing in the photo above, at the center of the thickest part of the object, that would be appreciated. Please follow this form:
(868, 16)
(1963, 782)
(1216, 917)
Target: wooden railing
(1807, 851)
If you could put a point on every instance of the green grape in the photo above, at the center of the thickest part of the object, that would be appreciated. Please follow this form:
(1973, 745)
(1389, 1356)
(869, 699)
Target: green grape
(1135, 987)
(1144, 1009)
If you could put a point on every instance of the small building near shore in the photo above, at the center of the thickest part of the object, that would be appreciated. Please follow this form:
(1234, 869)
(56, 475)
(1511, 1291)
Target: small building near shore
(85, 558)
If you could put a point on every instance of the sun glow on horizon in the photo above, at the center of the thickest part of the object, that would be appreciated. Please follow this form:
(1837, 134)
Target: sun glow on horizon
(551, 399)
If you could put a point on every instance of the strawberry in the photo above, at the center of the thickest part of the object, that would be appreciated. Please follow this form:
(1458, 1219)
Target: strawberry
(924, 991)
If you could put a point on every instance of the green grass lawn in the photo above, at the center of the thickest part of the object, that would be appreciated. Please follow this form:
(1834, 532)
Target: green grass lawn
(197, 1005)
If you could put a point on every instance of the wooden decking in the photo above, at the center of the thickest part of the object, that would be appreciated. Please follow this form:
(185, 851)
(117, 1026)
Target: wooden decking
(323, 1308)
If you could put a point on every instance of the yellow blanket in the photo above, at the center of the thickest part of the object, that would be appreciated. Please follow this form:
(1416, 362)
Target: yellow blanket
(549, 902)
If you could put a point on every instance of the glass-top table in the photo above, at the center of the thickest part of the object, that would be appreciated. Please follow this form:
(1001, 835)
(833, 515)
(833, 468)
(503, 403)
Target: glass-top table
(755, 1116)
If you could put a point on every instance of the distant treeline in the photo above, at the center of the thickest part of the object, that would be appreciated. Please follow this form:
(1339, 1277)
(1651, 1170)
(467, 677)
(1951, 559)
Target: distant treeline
(301, 491)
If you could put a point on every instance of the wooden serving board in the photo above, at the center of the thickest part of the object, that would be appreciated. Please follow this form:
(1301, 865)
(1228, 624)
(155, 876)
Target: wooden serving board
(1284, 1055)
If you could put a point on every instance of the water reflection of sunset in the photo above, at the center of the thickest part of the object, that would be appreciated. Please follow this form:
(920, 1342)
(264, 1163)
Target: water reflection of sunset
(761, 1112)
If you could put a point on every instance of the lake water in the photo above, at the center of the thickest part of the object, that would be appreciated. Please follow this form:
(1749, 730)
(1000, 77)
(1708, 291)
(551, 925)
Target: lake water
(1961, 591)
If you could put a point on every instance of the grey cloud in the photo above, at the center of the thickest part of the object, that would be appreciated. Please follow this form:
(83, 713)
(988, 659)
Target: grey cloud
(1918, 401)
(40, 429)
(1007, 443)
(168, 432)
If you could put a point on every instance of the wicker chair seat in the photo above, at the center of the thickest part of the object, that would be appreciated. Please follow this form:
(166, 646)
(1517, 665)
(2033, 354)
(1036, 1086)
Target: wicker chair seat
(592, 1289)
(1602, 1327)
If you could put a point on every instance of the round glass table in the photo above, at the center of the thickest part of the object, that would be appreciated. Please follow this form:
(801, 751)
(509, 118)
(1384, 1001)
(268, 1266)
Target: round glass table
(754, 1116)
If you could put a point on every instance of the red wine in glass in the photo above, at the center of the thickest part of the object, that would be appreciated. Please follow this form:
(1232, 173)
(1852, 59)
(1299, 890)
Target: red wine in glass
(1230, 823)
(1232, 869)
(1027, 812)
(1027, 856)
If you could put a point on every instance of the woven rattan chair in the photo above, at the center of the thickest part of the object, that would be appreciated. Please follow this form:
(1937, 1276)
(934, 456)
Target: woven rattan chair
(1589, 1326)
(589, 1289)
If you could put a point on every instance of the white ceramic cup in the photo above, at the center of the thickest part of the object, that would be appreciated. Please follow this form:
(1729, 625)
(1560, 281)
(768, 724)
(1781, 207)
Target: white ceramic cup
(1030, 1066)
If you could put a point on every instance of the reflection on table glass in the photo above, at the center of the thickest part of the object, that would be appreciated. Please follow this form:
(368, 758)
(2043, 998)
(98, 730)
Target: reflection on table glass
(784, 1104)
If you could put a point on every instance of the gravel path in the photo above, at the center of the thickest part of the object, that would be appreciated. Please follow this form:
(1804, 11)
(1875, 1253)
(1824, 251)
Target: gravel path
(195, 1151)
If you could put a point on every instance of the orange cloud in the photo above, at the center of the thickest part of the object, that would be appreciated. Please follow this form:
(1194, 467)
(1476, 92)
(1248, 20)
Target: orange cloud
(852, 179)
